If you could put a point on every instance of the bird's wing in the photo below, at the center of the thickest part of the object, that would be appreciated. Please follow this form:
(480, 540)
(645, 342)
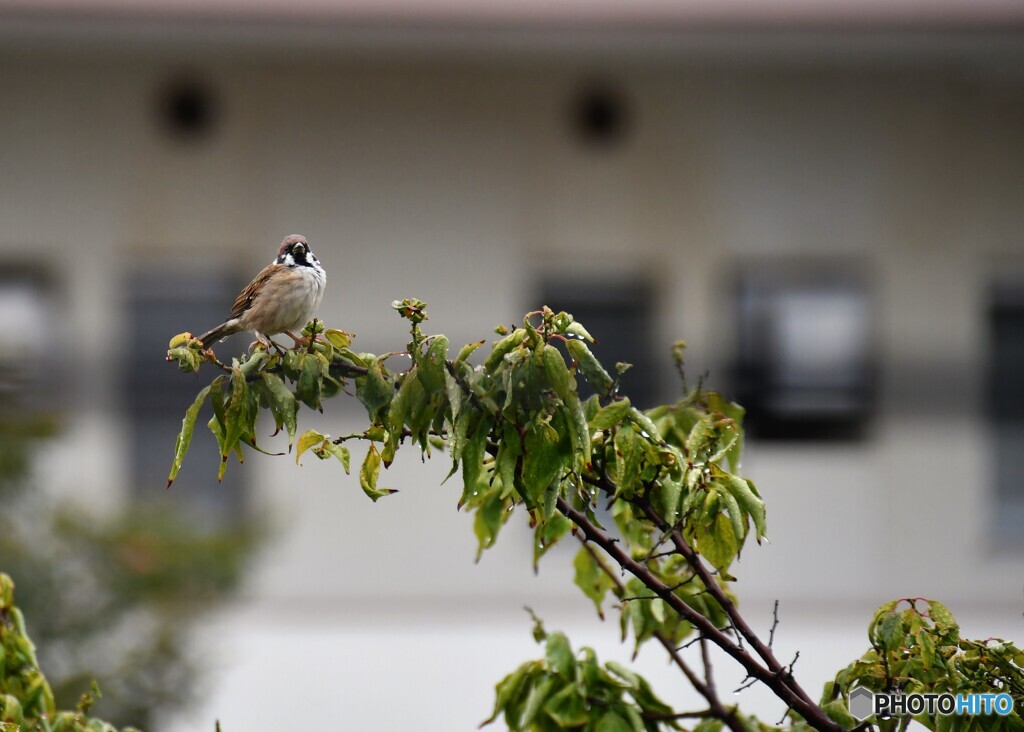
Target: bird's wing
(252, 290)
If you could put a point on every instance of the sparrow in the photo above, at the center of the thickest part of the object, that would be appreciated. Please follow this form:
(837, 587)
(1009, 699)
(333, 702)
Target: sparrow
(280, 299)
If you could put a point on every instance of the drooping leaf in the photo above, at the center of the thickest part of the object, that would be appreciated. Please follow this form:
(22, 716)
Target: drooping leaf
(369, 473)
(310, 381)
(188, 424)
(282, 402)
(750, 501)
(542, 461)
(472, 457)
(557, 373)
(235, 414)
(374, 390)
(432, 365)
(592, 578)
(559, 655)
(717, 542)
(548, 534)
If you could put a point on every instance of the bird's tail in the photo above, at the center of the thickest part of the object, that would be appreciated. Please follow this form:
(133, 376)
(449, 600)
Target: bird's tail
(219, 333)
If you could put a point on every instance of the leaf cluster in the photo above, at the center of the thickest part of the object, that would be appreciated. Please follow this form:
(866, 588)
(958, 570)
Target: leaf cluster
(26, 700)
(916, 647)
(573, 691)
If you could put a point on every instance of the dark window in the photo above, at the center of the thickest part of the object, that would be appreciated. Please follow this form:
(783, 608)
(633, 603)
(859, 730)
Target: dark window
(619, 314)
(1006, 330)
(804, 359)
(160, 305)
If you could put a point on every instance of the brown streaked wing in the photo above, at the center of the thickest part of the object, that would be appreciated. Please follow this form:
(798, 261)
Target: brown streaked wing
(252, 290)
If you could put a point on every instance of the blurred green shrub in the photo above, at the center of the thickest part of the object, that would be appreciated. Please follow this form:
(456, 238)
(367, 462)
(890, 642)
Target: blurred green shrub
(108, 598)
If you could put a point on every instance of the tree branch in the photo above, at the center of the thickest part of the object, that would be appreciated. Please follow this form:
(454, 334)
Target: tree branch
(774, 679)
(705, 688)
(723, 599)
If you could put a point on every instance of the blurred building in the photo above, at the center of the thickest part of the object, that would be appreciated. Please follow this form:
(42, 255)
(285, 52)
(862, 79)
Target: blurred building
(825, 200)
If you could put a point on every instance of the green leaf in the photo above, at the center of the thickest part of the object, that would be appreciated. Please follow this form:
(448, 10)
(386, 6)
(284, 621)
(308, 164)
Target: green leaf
(750, 501)
(590, 367)
(927, 646)
(644, 424)
(737, 517)
(535, 700)
(310, 380)
(558, 373)
(472, 458)
(702, 437)
(611, 415)
(507, 461)
(717, 541)
(188, 424)
(568, 707)
(374, 390)
(577, 329)
(592, 578)
(943, 618)
(542, 462)
(559, 655)
(503, 347)
(890, 631)
(629, 453)
(328, 449)
(509, 689)
(400, 410)
(488, 520)
(368, 476)
(547, 535)
(235, 413)
(666, 497)
(467, 350)
(838, 713)
(612, 722)
(432, 365)
(282, 402)
(579, 430)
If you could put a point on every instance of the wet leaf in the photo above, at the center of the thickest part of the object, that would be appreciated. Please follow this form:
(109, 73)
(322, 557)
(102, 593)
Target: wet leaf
(611, 415)
(542, 462)
(590, 367)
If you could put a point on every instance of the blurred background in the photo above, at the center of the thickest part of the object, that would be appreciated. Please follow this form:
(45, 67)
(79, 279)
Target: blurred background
(824, 199)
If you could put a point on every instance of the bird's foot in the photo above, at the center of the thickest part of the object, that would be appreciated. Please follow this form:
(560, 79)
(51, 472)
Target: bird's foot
(299, 342)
